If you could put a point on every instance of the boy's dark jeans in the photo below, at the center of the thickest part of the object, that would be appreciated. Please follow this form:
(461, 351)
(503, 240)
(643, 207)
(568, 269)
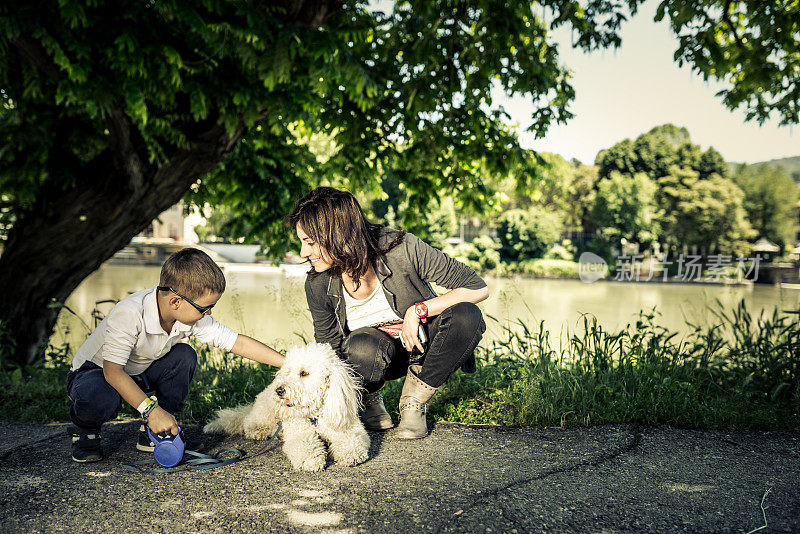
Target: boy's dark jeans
(452, 338)
(94, 401)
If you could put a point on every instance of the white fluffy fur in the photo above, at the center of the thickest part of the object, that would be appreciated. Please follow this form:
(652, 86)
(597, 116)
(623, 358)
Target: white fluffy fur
(316, 385)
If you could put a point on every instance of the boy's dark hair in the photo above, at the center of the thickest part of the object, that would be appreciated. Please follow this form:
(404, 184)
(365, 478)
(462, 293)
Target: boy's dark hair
(192, 273)
(334, 219)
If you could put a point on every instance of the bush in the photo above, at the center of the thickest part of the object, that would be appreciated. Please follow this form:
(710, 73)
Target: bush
(601, 246)
(527, 234)
(438, 224)
(481, 255)
(559, 252)
(549, 268)
(37, 392)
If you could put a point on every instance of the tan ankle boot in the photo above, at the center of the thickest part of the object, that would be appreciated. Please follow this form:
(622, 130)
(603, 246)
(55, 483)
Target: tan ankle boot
(414, 405)
(374, 415)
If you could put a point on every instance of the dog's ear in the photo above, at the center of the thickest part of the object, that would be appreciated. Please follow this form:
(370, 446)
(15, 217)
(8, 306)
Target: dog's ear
(342, 399)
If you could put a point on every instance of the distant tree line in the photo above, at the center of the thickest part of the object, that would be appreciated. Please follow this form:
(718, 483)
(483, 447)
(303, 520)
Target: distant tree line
(658, 190)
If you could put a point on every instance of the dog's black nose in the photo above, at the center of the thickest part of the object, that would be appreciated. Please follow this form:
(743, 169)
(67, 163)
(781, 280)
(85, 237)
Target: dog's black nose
(279, 391)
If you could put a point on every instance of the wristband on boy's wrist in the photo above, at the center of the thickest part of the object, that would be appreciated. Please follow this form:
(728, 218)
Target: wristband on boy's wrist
(149, 409)
(148, 405)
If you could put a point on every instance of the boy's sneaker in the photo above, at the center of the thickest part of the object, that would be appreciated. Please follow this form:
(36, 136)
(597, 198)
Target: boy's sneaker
(143, 442)
(85, 445)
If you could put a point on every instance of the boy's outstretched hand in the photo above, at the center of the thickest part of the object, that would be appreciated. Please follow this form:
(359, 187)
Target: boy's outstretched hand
(161, 421)
(250, 348)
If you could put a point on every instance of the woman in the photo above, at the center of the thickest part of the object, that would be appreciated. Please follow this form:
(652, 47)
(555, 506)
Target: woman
(369, 291)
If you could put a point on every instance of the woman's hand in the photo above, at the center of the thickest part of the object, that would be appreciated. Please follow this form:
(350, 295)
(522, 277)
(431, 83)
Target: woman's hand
(161, 421)
(410, 333)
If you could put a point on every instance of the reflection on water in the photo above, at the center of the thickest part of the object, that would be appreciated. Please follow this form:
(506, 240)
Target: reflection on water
(271, 306)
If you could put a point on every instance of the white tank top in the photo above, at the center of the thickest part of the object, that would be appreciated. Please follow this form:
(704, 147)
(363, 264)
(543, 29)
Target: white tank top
(370, 311)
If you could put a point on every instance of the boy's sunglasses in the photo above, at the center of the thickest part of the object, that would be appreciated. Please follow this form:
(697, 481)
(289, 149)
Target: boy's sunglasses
(202, 309)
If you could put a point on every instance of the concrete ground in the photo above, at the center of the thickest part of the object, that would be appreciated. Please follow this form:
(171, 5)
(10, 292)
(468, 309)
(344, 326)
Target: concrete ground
(620, 478)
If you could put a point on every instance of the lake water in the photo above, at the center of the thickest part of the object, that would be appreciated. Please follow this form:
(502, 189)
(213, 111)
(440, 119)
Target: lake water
(270, 305)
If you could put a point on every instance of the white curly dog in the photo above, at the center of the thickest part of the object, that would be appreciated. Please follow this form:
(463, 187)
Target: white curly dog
(316, 397)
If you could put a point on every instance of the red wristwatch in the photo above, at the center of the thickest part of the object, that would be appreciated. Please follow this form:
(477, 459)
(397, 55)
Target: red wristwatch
(421, 309)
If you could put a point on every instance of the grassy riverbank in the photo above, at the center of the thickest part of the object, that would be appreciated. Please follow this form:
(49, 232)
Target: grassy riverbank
(742, 373)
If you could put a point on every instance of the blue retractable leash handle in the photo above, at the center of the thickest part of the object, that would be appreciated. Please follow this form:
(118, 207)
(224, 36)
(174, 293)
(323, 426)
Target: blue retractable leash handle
(169, 453)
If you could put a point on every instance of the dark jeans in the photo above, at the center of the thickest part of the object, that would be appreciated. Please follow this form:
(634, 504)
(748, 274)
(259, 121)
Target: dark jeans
(94, 401)
(452, 338)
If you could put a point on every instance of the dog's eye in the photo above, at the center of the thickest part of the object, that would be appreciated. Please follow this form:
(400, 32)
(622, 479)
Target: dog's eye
(303, 373)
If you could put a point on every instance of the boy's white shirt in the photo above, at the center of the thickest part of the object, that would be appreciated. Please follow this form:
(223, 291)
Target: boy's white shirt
(131, 335)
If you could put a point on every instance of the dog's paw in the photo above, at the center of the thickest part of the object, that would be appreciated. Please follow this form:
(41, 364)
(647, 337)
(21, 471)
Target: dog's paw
(312, 463)
(355, 458)
(260, 433)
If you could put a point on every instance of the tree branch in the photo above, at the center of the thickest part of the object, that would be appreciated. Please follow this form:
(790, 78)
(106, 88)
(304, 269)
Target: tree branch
(126, 158)
(37, 55)
(310, 12)
(726, 16)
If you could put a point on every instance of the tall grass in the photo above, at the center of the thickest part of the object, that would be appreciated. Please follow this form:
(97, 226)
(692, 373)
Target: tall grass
(740, 373)
(223, 380)
(743, 372)
(34, 393)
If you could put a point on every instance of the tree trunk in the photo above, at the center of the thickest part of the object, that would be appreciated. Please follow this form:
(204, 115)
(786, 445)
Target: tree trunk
(62, 240)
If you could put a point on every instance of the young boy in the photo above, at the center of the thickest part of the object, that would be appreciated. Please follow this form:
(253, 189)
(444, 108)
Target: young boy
(135, 349)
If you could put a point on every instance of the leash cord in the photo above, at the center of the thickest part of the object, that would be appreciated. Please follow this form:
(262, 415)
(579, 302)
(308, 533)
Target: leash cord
(200, 460)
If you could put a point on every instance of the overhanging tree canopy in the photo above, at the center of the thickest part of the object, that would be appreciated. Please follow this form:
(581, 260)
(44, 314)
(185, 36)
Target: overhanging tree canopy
(112, 111)
(751, 46)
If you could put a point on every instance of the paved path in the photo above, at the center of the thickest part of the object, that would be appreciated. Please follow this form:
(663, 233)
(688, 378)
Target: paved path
(619, 478)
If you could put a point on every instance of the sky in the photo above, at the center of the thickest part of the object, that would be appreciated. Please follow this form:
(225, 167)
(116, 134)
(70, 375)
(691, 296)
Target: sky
(625, 92)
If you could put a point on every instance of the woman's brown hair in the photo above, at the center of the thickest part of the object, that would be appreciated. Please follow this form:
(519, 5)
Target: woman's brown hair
(334, 219)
